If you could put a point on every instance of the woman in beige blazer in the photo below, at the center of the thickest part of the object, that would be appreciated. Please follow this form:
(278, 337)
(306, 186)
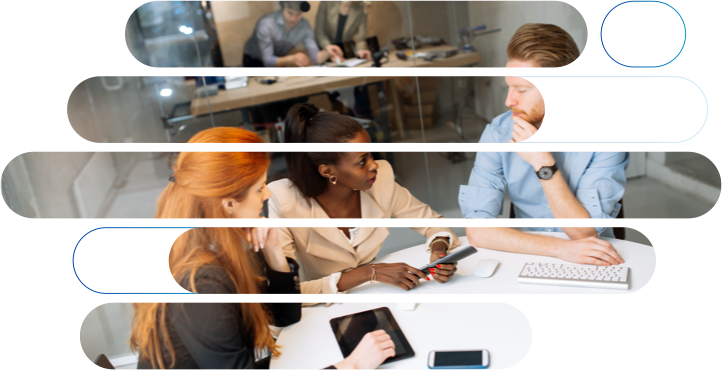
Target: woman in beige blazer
(346, 185)
(353, 18)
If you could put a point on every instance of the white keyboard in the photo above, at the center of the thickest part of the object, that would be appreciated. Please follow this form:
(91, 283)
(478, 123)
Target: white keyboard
(586, 276)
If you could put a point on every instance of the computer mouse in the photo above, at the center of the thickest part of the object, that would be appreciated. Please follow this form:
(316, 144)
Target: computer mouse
(485, 268)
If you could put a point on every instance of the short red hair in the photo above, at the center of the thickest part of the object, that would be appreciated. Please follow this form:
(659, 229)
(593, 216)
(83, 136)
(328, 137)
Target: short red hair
(545, 44)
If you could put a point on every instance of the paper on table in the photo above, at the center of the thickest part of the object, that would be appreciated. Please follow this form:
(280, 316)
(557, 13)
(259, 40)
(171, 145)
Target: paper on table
(352, 62)
(234, 82)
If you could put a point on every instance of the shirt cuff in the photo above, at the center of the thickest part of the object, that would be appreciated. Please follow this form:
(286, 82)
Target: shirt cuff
(480, 202)
(440, 234)
(591, 201)
(271, 61)
(313, 56)
(330, 284)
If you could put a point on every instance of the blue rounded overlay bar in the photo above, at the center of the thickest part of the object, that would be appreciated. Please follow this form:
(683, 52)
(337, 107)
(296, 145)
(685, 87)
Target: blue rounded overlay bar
(642, 34)
(126, 260)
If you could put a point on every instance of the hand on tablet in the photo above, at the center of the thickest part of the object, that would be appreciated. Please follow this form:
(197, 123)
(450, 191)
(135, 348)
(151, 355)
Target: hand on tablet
(371, 352)
(442, 273)
(399, 274)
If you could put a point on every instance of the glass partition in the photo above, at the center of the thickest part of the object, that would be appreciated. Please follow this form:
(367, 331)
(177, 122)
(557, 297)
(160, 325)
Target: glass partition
(393, 109)
(338, 33)
(173, 34)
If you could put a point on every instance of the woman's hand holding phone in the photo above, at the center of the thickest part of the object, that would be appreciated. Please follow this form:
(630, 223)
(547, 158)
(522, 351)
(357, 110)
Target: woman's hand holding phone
(442, 272)
(399, 274)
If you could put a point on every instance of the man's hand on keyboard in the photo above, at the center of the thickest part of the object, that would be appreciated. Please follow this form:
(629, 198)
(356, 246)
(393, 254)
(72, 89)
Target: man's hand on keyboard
(590, 251)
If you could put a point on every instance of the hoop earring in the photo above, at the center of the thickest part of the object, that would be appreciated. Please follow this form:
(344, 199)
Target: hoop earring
(333, 180)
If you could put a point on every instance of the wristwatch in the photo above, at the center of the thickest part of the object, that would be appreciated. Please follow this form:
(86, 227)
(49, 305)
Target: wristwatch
(546, 172)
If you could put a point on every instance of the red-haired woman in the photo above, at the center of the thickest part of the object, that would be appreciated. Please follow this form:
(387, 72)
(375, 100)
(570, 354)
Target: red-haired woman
(225, 261)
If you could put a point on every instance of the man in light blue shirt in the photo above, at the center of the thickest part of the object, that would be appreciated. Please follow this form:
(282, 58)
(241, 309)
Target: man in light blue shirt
(277, 34)
(542, 184)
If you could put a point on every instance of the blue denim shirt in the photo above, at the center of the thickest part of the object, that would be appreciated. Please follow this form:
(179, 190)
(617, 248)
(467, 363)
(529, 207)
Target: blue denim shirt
(271, 41)
(597, 179)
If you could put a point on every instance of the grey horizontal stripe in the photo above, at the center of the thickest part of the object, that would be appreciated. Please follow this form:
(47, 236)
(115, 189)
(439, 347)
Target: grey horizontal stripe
(15, 224)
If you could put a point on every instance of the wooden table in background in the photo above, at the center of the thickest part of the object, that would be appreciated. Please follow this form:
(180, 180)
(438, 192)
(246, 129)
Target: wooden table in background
(256, 93)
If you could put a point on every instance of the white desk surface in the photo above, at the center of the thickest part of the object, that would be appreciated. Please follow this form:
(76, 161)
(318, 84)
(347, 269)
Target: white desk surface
(638, 257)
(500, 328)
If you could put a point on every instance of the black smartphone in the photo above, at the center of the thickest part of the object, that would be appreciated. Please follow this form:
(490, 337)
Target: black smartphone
(470, 359)
(450, 258)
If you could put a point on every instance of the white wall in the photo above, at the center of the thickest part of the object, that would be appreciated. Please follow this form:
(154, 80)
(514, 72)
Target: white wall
(106, 330)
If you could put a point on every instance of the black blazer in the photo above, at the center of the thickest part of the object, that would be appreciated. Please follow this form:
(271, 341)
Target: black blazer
(211, 335)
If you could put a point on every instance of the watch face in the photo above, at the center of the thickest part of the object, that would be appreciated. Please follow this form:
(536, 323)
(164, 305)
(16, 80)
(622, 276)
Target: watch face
(545, 173)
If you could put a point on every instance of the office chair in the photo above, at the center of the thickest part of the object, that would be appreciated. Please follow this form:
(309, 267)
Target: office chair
(619, 232)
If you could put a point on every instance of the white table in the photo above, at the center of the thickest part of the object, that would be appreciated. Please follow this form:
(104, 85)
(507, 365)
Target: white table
(500, 328)
(638, 257)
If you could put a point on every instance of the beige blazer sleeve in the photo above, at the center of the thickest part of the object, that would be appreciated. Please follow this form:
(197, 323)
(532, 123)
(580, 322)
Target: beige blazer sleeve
(286, 202)
(278, 207)
(404, 205)
(325, 285)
